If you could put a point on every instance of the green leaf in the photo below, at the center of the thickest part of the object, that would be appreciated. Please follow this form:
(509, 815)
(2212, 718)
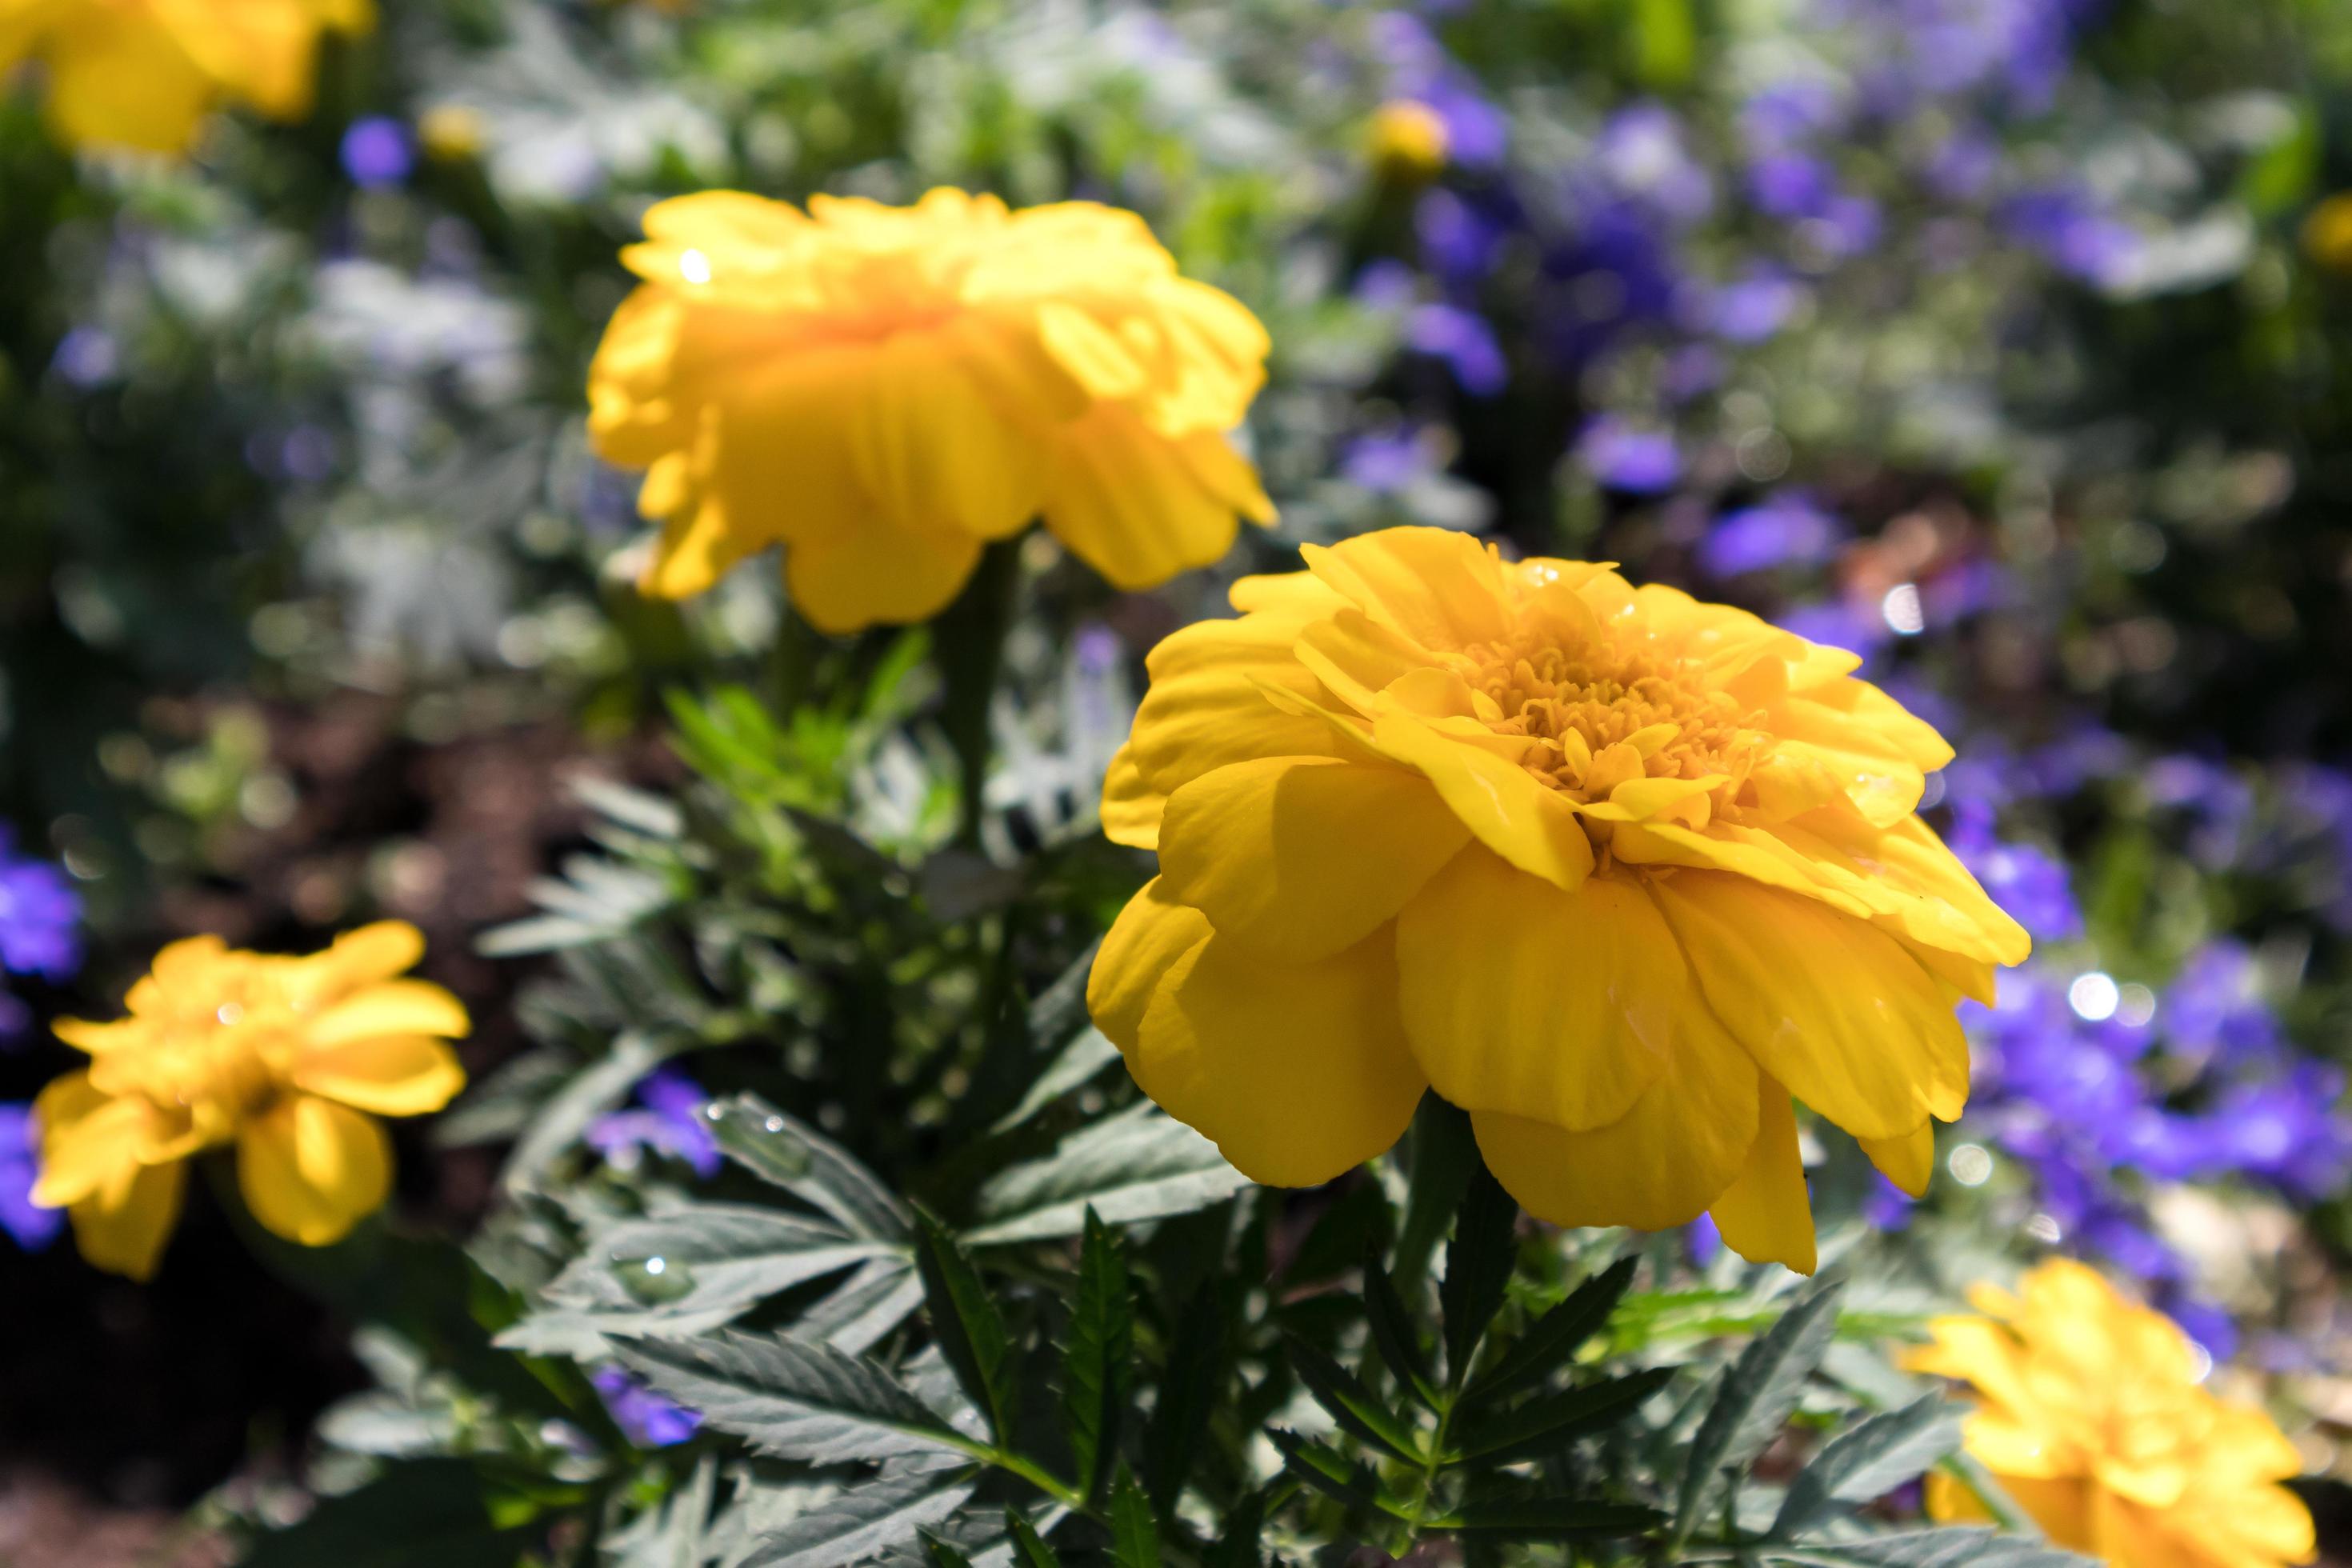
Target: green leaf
(1553, 1519)
(1237, 1544)
(792, 1398)
(1350, 1480)
(1542, 1425)
(1553, 1339)
(1098, 1365)
(1139, 1164)
(798, 1158)
(1393, 1334)
(1190, 1390)
(1867, 1460)
(1028, 1542)
(864, 1520)
(1754, 1399)
(588, 1094)
(1440, 1152)
(1957, 1546)
(1080, 1063)
(1477, 1268)
(965, 1322)
(431, 1511)
(1134, 1533)
(680, 1272)
(941, 1554)
(1351, 1405)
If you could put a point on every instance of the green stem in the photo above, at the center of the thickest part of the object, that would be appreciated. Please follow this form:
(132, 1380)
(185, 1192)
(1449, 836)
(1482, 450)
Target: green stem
(968, 648)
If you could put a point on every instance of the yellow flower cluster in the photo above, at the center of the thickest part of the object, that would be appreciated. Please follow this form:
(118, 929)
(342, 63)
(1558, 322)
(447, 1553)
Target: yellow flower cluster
(144, 73)
(2090, 1412)
(883, 390)
(289, 1059)
(1615, 871)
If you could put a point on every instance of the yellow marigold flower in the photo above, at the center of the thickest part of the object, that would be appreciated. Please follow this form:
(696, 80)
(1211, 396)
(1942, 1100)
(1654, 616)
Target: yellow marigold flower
(143, 73)
(1612, 870)
(884, 389)
(451, 133)
(1409, 139)
(2089, 1411)
(2328, 233)
(289, 1059)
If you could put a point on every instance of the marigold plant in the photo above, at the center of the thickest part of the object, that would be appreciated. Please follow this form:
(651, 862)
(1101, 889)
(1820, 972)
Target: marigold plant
(1615, 871)
(2090, 1410)
(144, 73)
(883, 390)
(289, 1059)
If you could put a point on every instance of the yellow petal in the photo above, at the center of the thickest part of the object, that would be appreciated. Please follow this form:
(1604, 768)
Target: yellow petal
(1533, 827)
(310, 1169)
(1908, 1160)
(122, 1225)
(874, 571)
(1660, 1164)
(1206, 707)
(1830, 1006)
(1764, 1215)
(1130, 504)
(391, 1075)
(1280, 854)
(1131, 809)
(371, 953)
(932, 450)
(1438, 588)
(1356, 656)
(91, 1140)
(1298, 1073)
(120, 81)
(1519, 997)
(1138, 952)
(391, 1007)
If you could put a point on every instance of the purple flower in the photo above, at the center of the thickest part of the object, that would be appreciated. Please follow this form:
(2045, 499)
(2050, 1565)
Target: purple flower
(1838, 623)
(20, 1166)
(1386, 285)
(88, 356)
(1386, 461)
(1465, 341)
(1457, 239)
(2031, 884)
(1624, 456)
(671, 1123)
(2063, 224)
(650, 1419)
(39, 913)
(1793, 112)
(378, 152)
(1756, 306)
(1790, 186)
(1786, 527)
(2213, 1011)
(1641, 152)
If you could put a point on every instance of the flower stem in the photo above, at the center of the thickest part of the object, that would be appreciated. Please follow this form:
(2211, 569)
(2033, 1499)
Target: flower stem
(968, 646)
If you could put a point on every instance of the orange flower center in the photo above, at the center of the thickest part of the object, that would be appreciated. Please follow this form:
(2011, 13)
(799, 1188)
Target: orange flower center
(1607, 715)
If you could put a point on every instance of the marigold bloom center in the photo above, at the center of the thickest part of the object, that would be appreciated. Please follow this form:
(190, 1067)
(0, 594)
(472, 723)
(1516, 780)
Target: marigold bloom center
(1604, 716)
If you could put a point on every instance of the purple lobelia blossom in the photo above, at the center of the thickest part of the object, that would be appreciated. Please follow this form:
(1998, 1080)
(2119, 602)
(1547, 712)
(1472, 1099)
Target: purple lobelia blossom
(668, 1119)
(2028, 882)
(1641, 156)
(1386, 461)
(20, 1166)
(1626, 457)
(651, 1420)
(377, 152)
(1463, 342)
(2077, 237)
(1786, 527)
(1755, 306)
(39, 917)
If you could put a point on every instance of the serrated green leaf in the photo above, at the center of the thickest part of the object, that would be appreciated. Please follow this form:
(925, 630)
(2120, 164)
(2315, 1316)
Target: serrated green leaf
(941, 1554)
(1553, 1339)
(864, 1520)
(1097, 1364)
(1553, 1519)
(965, 1323)
(1190, 1389)
(792, 1155)
(1478, 1263)
(1956, 1546)
(1237, 1544)
(1350, 1404)
(1541, 1425)
(1865, 1461)
(1139, 1164)
(1351, 1480)
(1089, 1051)
(791, 1398)
(1134, 1531)
(1754, 1399)
(1031, 1546)
(1393, 1334)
